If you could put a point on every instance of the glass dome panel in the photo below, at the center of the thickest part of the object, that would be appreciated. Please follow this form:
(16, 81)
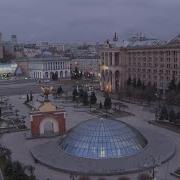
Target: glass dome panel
(102, 139)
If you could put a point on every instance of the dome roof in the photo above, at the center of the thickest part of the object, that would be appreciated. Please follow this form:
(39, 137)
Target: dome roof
(103, 139)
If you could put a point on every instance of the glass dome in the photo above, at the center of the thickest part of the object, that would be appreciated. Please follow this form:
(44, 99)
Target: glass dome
(102, 139)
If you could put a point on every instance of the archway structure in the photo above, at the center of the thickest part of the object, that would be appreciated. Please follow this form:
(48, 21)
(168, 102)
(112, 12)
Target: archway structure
(47, 120)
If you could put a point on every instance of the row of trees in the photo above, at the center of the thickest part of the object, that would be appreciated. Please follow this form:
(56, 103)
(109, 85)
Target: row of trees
(173, 93)
(82, 96)
(14, 169)
(171, 115)
(136, 89)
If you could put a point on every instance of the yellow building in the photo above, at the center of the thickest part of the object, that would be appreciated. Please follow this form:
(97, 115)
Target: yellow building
(149, 60)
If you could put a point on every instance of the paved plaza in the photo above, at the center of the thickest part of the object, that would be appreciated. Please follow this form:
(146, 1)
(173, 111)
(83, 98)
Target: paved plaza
(20, 146)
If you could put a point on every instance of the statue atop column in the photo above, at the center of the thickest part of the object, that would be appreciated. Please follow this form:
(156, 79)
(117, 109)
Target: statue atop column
(46, 91)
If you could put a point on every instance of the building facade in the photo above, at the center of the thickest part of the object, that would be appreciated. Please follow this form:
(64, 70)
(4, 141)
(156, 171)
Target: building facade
(47, 67)
(148, 60)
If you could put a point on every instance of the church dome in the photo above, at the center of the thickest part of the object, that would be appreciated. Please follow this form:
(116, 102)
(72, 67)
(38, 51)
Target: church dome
(102, 139)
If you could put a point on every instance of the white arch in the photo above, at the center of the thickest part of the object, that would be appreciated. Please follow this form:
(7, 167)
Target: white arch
(51, 120)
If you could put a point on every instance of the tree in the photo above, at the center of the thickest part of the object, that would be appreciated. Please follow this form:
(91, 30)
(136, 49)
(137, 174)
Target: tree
(85, 98)
(129, 81)
(8, 169)
(75, 94)
(59, 91)
(93, 98)
(149, 93)
(14, 170)
(31, 96)
(139, 83)
(163, 113)
(107, 102)
(81, 93)
(134, 82)
(171, 97)
(27, 98)
(172, 85)
(172, 116)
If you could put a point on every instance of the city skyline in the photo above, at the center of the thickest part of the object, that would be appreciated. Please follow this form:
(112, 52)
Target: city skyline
(90, 21)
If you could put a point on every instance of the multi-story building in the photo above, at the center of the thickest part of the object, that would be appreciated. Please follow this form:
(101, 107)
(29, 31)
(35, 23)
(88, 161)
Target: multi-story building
(151, 61)
(1, 47)
(47, 67)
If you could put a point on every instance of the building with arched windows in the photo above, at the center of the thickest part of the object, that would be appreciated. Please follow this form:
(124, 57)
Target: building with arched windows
(149, 60)
(49, 67)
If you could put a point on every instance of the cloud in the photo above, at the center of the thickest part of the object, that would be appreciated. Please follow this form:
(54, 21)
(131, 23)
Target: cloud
(87, 20)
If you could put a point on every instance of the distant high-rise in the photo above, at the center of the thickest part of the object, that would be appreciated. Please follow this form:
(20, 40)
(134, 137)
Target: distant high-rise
(115, 38)
(1, 47)
(14, 39)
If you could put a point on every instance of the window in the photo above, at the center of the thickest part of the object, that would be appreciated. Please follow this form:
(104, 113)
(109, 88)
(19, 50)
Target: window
(155, 71)
(110, 58)
(116, 59)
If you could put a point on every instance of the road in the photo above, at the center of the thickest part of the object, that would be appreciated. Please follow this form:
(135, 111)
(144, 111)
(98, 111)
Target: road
(19, 87)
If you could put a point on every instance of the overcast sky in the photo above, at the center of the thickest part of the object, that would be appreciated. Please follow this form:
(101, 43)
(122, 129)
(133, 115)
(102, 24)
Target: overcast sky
(88, 20)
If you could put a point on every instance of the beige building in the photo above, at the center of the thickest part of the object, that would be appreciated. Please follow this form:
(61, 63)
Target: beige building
(1, 47)
(149, 60)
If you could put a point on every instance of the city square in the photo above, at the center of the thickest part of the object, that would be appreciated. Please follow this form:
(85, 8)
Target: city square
(89, 90)
(22, 147)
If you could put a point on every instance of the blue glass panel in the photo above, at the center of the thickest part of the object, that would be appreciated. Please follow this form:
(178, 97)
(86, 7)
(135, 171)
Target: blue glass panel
(103, 138)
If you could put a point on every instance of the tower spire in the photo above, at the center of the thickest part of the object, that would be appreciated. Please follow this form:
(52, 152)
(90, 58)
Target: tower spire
(115, 38)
